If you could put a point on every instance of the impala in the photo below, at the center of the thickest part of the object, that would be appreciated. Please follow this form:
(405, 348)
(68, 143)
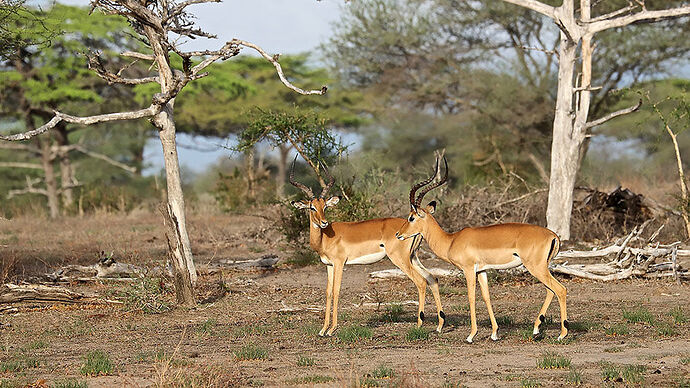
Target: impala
(363, 242)
(475, 250)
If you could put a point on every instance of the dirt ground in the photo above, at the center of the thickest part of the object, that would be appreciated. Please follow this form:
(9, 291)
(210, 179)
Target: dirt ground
(634, 332)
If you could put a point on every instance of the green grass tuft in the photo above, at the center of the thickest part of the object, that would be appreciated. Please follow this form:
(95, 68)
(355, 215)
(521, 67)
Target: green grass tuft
(383, 372)
(609, 371)
(529, 383)
(574, 377)
(551, 360)
(35, 345)
(305, 361)
(11, 366)
(417, 333)
(147, 295)
(394, 313)
(207, 328)
(352, 334)
(312, 379)
(665, 330)
(616, 330)
(97, 363)
(685, 360)
(633, 374)
(639, 315)
(678, 315)
(70, 383)
(251, 352)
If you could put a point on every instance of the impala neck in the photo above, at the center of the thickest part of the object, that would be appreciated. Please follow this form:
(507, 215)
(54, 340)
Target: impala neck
(315, 235)
(439, 241)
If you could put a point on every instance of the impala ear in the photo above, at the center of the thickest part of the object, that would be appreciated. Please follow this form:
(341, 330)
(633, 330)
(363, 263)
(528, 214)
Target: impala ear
(299, 204)
(332, 201)
(431, 207)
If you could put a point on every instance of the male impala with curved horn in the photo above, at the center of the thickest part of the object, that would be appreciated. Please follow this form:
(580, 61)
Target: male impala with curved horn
(362, 242)
(474, 250)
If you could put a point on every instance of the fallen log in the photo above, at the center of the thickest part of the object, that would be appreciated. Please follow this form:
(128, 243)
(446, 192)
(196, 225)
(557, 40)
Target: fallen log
(263, 263)
(13, 293)
(105, 269)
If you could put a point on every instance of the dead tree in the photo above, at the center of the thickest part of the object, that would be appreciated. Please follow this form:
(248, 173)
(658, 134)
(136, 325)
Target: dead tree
(571, 124)
(155, 21)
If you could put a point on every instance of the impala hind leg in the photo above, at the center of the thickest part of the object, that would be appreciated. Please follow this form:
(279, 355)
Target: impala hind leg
(484, 286)
(329, 297)
(433, 284)
(337, 280)
(471, 277)
(543, 275)
(542, 311)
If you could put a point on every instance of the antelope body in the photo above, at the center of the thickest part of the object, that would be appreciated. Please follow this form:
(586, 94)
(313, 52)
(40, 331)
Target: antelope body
(475, 250)
(363, 242)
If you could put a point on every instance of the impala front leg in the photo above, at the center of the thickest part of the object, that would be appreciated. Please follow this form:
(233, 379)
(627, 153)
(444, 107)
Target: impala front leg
(337, 280)
(329, 297)
(471, 277)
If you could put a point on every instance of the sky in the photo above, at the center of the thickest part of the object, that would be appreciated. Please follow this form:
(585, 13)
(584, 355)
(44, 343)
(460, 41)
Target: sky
(277, 26)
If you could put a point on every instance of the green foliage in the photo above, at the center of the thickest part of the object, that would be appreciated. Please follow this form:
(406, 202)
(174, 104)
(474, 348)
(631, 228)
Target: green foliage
(251, 352)
(147, 295)
(638, 314)
(630, 374)
(353, 334)
(312, 379)
(551, 360)
(417, 334)
(97, 363)
(528, 382)
(665, 330)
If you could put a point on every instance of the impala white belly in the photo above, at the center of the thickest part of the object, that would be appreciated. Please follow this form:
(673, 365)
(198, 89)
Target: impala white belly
(511, 264)
(367, 259)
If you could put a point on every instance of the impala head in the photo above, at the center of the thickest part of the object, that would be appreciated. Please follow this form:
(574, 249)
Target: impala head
(419, 216)
(315, 206)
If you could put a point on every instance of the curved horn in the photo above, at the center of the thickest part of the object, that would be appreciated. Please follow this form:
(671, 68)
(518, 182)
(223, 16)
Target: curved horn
(433, 186)
(331, 180)
(300, 186)
(423, 183)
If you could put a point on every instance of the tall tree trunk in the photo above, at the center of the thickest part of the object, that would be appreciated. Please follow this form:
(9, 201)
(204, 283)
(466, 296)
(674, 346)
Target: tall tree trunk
(251, 174)
(66, 170)
(565, 149)
(282, 170)
(182, 252)
(50, 179)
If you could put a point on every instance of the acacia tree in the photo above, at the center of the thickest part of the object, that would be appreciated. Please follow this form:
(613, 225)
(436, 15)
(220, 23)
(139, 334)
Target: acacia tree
(158, 24)
(571, 124)
(35, 81)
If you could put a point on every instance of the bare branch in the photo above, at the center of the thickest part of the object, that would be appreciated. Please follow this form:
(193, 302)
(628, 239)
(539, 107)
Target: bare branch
(23, 147)
(612, 115)
(104, 158)
(21, 165)
(30, 189)
(134, 54)
(97, 65)
(644, 15)
(148, 112)
(537, 6)
(279, 69)
(613, 14)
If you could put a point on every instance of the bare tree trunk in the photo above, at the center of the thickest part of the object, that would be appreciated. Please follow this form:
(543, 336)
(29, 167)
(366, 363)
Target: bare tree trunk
(50, 180)
(181, 279)
(182, 252)
(66, 170)
(565, 148)
(282, 170)
(251, 174)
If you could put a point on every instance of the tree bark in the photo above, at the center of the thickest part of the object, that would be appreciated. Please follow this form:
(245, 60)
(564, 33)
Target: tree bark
(182, 253)
(565, 148)
(50, 179)
(282, 170)
(66, 171)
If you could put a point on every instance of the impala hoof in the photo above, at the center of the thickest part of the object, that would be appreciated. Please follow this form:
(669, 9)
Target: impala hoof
(322, 333)
(469, 339)
(439, 329)
(494, 336)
